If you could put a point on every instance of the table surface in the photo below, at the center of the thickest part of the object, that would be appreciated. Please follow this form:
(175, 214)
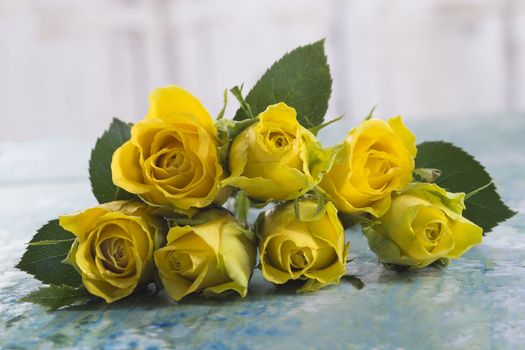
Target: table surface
(477, 302)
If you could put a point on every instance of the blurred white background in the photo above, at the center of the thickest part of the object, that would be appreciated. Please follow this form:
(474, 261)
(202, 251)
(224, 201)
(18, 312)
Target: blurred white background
(68, 67)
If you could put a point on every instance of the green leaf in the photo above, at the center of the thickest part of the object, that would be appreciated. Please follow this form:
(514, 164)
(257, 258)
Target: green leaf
(100, 162)
(229, 129)
(44, 254)
(355, 281)
(462, 173)
(301, 79)
(52, 231)
(55, 297)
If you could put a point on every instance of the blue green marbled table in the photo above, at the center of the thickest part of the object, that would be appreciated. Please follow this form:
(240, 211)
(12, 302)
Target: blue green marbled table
(477, 302)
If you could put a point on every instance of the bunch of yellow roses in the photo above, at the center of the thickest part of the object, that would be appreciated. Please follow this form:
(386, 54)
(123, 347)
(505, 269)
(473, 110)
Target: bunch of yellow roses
(172, 163)
(175, 190)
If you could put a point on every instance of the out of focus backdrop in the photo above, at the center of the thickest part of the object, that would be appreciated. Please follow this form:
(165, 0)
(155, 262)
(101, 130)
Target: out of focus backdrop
(68, 67)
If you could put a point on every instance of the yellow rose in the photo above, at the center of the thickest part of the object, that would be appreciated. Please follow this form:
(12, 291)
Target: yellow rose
(213, 255)
(172, 155)
(424, 224)
(113, 249)
(310, 247)
(276, 158)
(377, 159)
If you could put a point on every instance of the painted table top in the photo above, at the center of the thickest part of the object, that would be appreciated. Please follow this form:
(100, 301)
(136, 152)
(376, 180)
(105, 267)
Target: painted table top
(477, 302)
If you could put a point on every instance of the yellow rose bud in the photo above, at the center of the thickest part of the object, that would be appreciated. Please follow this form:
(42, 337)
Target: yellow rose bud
(113, 249)
(310, 247)
(276, 158)
(424, 224)
(214, 255)
(172, 157)
(377, 159)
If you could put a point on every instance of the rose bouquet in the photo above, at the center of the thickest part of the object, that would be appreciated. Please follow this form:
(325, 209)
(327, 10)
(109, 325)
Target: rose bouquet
(175, 189)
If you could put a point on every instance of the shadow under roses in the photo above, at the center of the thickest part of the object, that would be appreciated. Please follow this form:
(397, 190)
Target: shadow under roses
(260, 290)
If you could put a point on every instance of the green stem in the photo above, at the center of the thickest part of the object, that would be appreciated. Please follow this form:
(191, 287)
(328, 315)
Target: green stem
(237, 92)
(317, 128)
(371, 113)
(297, 209)
(242, 206)
(224, 104)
